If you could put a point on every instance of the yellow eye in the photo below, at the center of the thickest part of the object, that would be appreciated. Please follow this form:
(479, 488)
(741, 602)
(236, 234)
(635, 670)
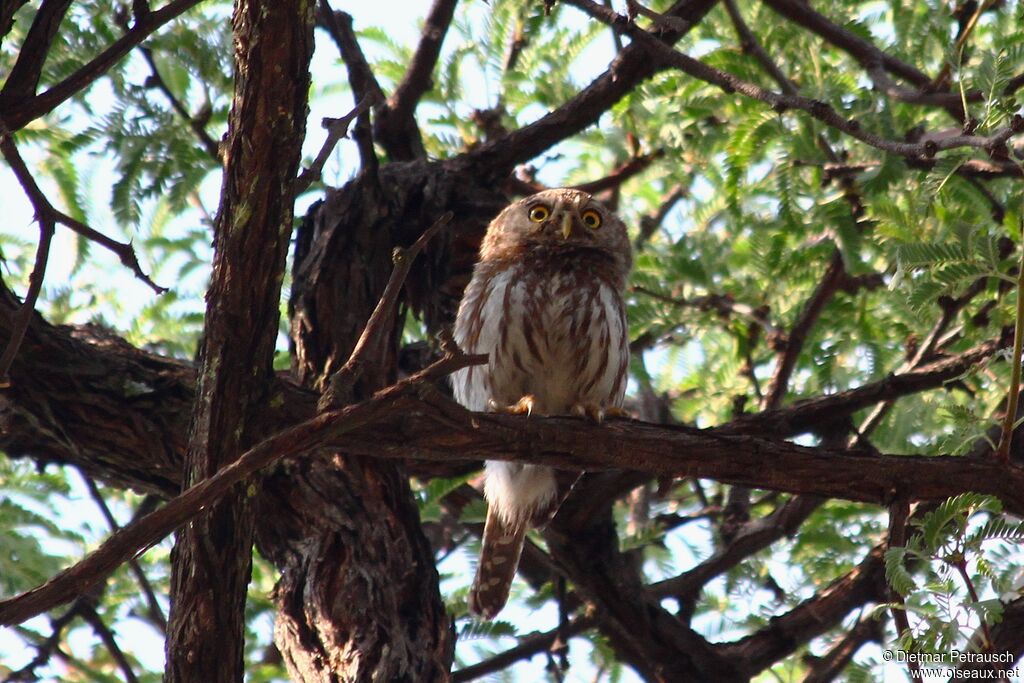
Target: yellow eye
(591, 219)
(539, 213)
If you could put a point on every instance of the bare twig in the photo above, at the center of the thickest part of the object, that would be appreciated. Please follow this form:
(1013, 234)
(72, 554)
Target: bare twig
(861, 50)
(1003, 451)
(899, 513)
(723, 304)
(93, 618)
(24, 315)
(156, 614)
(197, 125)
(45, 209)
(341, 382)
(528, 646)
(336, 130)
(621, 174)
(46, 648)
(826, 288)
(827, 668)
(941, 81)
(649, 224)
(360, 76)
(750, 44)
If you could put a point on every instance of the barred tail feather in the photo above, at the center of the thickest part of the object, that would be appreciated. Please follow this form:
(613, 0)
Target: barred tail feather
(499, 558)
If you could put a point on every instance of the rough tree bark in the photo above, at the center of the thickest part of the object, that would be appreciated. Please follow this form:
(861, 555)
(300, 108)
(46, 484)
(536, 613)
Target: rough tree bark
(358, 598)
(212, 557)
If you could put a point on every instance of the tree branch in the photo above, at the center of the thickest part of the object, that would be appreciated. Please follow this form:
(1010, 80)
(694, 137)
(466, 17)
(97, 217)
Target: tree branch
(360, 77)
(23, 79)
(395, 127)
(994, 143)
(46, 212)
(633, 65)
(17, 114)
(197, 126)
(528, 646)
(785, 633)
(336, 130)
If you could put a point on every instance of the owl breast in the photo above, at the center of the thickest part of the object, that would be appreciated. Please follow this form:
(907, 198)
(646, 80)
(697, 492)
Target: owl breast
(558, 335)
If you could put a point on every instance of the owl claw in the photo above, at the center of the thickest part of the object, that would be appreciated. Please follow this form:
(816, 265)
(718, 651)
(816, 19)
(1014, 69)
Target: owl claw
(597, 413)
(592, 411)
(615, 411)
(523, 406)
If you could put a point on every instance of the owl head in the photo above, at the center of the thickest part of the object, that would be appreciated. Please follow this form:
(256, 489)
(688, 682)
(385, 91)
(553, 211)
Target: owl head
(557, 221)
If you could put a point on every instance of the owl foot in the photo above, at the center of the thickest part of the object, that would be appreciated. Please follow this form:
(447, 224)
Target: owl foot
(523, 406)
(597, 413)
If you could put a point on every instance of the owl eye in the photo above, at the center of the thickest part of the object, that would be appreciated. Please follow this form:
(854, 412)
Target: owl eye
(539, 213)
(591, 219)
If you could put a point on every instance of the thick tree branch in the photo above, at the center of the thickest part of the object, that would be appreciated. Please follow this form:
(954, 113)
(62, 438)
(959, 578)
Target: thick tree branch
(633, 65)
(814, 616)
(23, 79)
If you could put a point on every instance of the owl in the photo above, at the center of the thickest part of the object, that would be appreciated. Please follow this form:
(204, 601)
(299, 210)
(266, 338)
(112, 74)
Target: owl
(545, 304)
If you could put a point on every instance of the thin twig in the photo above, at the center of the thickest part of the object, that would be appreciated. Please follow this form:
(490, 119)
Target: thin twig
(197, 125)
(35, 280)
(827, 668)
(336, 130)
(156, 614)
(46, 648)
(1003, 452)
(341, 382)
(43, 207)
(650, 223)
(528, 647)
(90, 615)
(787, 357)
(899, 513)
(624, 172)
(360, 77)
(750, 44)
(941, 81)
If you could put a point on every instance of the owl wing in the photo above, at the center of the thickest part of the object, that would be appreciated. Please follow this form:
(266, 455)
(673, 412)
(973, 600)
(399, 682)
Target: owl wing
(478, 330)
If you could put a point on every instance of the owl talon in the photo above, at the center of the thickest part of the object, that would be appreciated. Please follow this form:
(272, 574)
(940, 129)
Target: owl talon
(523, 406)
(615, 411)
(591, 411)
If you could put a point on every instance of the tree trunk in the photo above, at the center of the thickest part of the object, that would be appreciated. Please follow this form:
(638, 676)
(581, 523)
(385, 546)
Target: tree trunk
(212, 557)
(358, 598)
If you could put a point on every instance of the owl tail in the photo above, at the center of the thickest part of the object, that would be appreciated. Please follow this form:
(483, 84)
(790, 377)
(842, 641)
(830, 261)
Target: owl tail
(499, 557)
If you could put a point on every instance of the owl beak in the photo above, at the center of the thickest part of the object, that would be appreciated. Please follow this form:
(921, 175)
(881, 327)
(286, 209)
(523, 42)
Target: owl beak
(566, 224)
